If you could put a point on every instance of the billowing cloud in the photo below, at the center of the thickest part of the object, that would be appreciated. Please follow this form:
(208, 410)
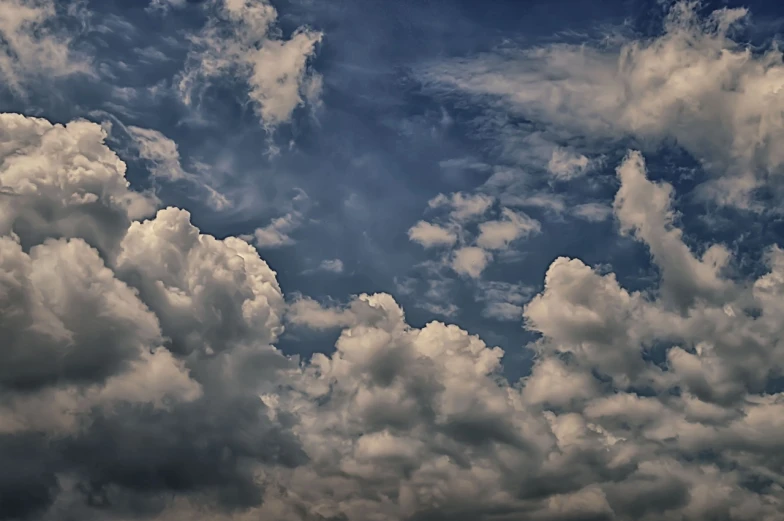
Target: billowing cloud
(141, 377)
(717, 98)
(244, 42)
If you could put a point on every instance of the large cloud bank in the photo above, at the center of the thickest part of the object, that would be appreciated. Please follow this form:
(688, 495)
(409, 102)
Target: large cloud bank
(140, 377)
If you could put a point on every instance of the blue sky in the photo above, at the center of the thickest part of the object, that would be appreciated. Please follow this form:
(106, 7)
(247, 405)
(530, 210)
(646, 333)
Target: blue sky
(444, 152)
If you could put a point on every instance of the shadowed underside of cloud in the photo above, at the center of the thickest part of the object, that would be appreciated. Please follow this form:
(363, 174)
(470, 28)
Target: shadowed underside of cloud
(140, 378)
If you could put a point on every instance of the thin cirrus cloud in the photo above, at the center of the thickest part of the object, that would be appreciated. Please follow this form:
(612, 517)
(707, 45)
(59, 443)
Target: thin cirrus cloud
(144, 372)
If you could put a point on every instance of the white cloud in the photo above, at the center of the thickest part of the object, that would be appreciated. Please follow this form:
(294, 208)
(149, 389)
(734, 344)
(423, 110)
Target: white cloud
(275, 234)
(716, 97)
(32, 48)
(244, 42)
(593, 212)
(565, 164)
(463, 207)
(430, 235)
(498, 235)
(332, 265)
(470, 261)
(62, 178)
(644, 209)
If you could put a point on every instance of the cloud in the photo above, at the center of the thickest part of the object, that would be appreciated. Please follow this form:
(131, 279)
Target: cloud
(430, 235)
(565, 164)
(593, 212)
(243, 42)
(498, 235)
(58, 180)
(33, 47)
(693, 84)
(644, 209)
(130, 346)
(332, 265)
(463, 207)
(470, 261)
(140, 377)
(276, 233)
(163, 155)
(503, 301)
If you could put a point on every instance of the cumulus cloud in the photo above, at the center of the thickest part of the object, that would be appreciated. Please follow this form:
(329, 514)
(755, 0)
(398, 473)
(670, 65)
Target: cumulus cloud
(693, 84)
(141, 378)
(467, 255)
(463, 206)
(33, 47)
(470, 261)
(243, 41)
(430, 235)
(124, 340)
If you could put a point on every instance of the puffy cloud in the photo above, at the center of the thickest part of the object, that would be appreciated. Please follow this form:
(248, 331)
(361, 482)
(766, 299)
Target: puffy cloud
(470, 261)
(462, 206)
(430, 235)
(33, 48)
(62, 181)
(134, 351)
(464, 256)
(498, 235)
(209, 293)
(332, 265)
(716, 97)
(244, 42)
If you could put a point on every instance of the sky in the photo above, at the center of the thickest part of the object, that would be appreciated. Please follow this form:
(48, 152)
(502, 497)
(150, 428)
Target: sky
(365, 260)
